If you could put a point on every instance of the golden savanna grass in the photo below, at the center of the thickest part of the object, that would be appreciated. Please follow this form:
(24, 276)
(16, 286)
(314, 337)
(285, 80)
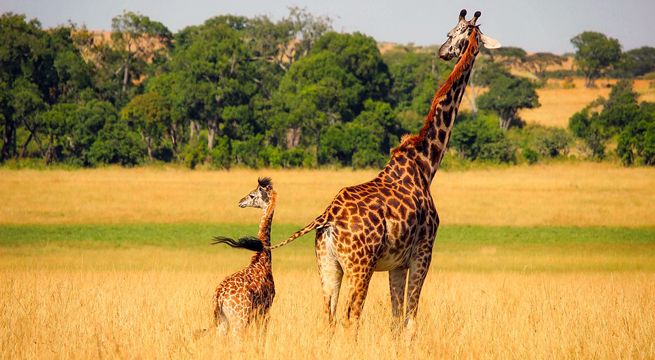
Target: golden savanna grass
(540, 300)
(559, 104)
(583, 194)
(84, 310)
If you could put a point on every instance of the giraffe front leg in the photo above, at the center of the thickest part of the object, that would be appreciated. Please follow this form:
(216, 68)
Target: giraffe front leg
(418, 270)
(397, 280)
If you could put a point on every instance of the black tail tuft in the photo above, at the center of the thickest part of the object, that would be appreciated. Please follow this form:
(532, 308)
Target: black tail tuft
(247, 242)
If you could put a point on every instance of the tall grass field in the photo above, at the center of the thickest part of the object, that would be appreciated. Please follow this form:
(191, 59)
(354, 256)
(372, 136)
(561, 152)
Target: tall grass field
(551, 261)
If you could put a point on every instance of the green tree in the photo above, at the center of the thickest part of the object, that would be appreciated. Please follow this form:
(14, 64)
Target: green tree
(595, 53)
(506, 96)
(620, 115)
(22, 48)
(509, 55)
(116, 144)
(138, 40)
(326, 88)
(150, 115)
(538, 63)
(638, 62)
(478, 138)
(219, 79)
(636, 144)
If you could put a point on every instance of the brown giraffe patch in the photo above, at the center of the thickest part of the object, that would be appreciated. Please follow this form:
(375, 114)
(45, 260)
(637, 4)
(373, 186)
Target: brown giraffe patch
(390, 222)
(247, 295)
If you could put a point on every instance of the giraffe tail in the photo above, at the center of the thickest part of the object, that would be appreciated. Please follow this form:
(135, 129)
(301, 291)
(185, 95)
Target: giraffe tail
(317, 223)
(247, 242)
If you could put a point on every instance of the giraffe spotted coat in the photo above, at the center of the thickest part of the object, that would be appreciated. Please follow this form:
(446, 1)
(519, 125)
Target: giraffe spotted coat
(247, 295)
(390, 223)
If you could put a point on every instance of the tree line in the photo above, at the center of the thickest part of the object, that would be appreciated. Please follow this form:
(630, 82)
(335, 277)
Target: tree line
(238, 91)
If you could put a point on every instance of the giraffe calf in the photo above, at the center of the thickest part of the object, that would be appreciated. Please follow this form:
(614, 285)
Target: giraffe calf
(247, 295)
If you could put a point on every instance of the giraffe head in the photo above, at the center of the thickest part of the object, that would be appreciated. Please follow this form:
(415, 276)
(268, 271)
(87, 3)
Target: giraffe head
(261, 196)
(458, 37)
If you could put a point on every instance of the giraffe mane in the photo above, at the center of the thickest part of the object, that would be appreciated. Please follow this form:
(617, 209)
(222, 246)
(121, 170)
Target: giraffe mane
(410, 140)
(265, 181)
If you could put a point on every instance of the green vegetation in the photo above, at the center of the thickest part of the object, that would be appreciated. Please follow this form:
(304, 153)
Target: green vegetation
(464, 248)
(596, 53)
(238, 91)
(620, 117)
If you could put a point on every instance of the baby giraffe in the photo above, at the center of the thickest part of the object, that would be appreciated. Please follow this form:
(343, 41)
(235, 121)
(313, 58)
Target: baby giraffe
(247, 295)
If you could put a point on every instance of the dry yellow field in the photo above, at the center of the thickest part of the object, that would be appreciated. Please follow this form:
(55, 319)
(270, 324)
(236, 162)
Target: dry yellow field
(88, 310)
(583, 194)
(503, 296)
(559, 104)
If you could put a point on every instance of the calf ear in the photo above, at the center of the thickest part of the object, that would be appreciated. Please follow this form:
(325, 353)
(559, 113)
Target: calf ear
(489, 43)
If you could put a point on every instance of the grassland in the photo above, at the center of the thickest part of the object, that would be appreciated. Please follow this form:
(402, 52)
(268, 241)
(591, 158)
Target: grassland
(584, 194)
(558, 103)
(132, 291)
(553, 261)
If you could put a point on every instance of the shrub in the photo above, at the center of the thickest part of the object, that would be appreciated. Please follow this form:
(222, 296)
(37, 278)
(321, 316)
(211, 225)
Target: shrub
(220, 155)
(480, 138)
(546, 141)
(530, 156)
(636, 143)
(250, 152)
(116, 144)
(195, 152)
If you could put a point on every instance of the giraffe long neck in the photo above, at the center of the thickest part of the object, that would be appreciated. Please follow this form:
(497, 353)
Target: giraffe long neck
(430, 143)
(264, 235)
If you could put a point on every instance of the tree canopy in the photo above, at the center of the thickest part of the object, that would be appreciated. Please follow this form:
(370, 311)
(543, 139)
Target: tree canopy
(595, 53)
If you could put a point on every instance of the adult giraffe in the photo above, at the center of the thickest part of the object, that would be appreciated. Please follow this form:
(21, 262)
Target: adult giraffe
(390, 222)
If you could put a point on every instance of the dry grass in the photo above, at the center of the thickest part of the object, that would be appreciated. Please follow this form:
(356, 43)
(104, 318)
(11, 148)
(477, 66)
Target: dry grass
(148, 303)
(559, 104)
(584, 194)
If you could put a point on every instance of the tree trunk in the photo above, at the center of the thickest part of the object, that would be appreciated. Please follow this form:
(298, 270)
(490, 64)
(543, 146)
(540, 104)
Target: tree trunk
(9, 138)
(293, 137)
(126, 72)
(149, 145)
(23, 151)
(193, 130)
(506, 119)
(173, 135)
(212, 127)
(50, 151)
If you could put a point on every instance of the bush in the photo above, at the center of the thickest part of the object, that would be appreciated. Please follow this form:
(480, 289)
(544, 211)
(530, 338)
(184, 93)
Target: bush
(547, 142)
(298, 157)
(530, 156)
(368, 158)
(220, 156)
(250, 152)
(636, 143)
(195, 152)
(480, 138)
(164, 151)
(116, 144)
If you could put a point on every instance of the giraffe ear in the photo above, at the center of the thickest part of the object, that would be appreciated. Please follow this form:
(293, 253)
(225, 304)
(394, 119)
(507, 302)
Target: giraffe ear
(489, 43)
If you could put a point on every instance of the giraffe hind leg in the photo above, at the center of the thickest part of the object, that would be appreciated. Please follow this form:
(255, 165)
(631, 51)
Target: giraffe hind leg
(358, 288)
(221, 322)
(331, 277)
(330, 271)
